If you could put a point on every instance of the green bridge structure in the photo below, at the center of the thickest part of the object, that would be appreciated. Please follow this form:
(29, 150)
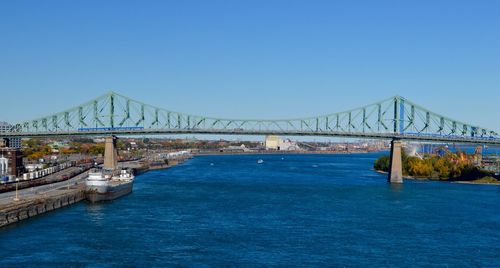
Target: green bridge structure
(396, 119)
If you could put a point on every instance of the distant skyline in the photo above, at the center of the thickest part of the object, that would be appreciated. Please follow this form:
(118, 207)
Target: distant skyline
(252, 59)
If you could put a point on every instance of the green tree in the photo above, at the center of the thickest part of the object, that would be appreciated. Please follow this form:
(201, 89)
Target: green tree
(97, 149)
(382, 163)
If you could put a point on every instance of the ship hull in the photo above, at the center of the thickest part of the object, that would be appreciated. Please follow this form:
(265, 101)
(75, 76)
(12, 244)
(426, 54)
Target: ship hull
(109, 192)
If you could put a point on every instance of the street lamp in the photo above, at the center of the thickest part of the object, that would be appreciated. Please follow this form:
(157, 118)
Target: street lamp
(17, 196)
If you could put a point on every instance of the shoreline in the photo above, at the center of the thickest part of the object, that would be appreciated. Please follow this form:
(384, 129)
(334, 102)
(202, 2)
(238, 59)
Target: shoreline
(437, 180)
(477, 183)
(281, 153)
(175, 162)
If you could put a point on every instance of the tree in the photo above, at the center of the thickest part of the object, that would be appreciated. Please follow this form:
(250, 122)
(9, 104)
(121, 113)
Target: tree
(97, 149)
(382, 163)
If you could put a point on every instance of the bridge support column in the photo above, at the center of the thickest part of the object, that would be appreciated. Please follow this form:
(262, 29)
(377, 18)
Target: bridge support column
(110, 153)
(396, 167)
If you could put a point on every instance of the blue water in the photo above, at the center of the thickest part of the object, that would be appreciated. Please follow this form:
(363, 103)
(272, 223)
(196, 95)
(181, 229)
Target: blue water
(292, 210)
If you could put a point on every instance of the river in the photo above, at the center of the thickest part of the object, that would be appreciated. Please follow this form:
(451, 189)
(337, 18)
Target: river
(290, 210)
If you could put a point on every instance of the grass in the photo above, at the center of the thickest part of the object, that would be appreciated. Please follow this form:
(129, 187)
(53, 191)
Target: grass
(487, 179)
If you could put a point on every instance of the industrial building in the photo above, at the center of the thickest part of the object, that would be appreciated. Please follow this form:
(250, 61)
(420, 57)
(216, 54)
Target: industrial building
(275, 143)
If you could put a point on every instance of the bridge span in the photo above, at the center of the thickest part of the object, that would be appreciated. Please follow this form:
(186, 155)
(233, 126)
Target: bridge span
(394, 118)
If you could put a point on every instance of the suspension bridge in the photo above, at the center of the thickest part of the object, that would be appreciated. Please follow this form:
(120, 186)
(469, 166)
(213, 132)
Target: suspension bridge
(394, 118)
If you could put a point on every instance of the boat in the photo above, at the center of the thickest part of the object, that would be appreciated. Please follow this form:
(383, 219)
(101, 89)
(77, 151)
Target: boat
(107, 185)
(260, 161)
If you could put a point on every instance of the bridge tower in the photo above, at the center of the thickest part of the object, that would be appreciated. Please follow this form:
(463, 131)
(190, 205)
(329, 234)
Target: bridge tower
(110, 153)
(396, 165)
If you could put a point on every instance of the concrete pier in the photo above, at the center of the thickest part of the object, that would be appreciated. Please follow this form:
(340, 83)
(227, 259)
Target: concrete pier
(396, 167)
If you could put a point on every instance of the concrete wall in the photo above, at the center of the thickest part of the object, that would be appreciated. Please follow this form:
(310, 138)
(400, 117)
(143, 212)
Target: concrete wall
(31, 208)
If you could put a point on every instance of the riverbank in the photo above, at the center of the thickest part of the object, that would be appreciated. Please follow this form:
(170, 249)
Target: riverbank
(449, 181)
(476, 183)
(143, 166)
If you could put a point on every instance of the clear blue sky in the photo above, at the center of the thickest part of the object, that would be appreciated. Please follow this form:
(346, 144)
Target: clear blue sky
(252, 59)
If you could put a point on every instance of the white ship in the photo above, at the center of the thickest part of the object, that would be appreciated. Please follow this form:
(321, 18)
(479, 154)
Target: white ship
(105, 185)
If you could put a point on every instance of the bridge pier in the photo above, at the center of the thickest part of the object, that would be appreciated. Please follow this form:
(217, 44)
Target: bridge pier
(110, 153)
(396, 165)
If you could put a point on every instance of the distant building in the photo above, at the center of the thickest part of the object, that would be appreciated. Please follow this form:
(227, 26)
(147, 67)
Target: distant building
(11, 162)
(56, 146)
(11, 142)
(98, 140)
(275, 143)
(491, 163)
(272, 142)
(236, 149)
(5, 127)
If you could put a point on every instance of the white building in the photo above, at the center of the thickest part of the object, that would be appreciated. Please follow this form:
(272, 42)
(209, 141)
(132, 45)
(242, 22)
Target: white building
(4, 166)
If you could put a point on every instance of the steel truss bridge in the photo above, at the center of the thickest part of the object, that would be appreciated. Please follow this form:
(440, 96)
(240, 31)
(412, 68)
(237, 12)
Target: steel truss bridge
(392, 118)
